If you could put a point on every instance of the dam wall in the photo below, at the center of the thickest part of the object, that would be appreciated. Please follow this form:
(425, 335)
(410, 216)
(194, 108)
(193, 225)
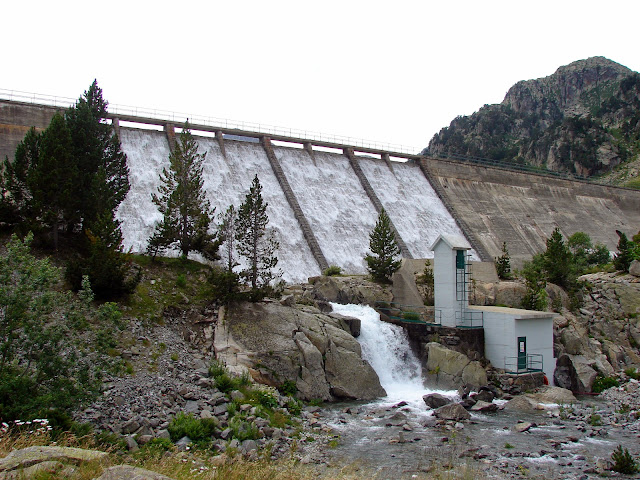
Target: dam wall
(324, 198)
(500, 205)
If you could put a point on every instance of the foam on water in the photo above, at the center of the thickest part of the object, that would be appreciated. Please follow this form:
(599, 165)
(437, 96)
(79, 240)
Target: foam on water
(386, 348)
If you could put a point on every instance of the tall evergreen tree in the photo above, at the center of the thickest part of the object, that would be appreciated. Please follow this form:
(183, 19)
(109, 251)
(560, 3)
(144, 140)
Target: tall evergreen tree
(186, 211)
(503, 263)
(104, 181)
(254, 241)
(558, 261)
(625, 254)
(16, 196)
(382, 243)
(53, 179)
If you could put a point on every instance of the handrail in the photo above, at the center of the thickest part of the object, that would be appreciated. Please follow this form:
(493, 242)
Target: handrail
(180, 118)
(534, 363)
(469, 319)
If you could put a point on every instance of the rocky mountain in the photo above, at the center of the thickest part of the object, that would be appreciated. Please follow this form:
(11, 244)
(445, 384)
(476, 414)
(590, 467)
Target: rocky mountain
(584, 119)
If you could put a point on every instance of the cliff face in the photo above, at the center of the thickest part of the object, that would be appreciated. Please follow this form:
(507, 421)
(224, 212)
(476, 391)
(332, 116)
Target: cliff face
(583, 119)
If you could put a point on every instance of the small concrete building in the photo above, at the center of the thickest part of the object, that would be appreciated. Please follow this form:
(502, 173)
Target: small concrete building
(516, 340)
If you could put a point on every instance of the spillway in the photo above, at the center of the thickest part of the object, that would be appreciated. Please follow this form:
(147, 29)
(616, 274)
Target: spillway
(329, 192)
(412, 204)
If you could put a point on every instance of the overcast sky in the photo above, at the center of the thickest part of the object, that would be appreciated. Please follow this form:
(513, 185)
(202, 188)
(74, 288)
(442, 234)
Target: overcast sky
(394, 71)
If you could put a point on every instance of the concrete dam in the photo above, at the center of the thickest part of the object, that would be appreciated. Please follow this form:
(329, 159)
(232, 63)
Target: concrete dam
(324, 198)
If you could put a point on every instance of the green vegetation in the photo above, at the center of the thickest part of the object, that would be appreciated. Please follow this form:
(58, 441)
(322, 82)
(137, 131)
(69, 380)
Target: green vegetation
(623, 462)
(601, 383)
(503, 264)
(197, 429)
(187, 214)
(255, 242)
(66, 184)
(50, 340)
(382, 242)
(332, 271)
(628, 251)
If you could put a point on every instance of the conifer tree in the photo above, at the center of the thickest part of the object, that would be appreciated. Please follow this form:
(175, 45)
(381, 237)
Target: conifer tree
(558, 261)
(625, 254)
(104, 181)
(186, 211)
(382, 243)
(254, 241)
(503, 263)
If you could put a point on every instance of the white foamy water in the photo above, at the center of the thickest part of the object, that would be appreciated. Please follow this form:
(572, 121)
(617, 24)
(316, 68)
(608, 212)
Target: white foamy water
(334, 203)
(411, 203)
(386, 348)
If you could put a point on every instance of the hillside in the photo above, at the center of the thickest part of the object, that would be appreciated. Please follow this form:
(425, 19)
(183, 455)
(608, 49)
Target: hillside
(584, 119)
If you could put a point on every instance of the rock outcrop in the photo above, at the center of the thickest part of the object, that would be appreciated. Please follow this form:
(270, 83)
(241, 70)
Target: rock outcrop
(300, 344)
(453, 369)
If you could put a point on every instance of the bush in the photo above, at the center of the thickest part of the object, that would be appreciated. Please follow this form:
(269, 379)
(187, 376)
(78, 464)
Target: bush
(288, 387)
(600, 384)
(411, 315)
(332, 271)
(197, 429)
(181, 281)
(503, 264)
(623, 462)
(243, 430)
(226, 285)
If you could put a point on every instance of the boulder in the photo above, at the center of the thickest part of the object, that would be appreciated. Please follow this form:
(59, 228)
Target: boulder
(300, 344)
(435, 400)
(482, 406)
(634, 268)
(452, 369)
(550, 394)
(453, 411)
(574, 372)
(127, 472)
(509, 294)
(348, 290)
(29, 456)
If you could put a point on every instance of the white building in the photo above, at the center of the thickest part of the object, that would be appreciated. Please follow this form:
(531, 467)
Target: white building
(516, 340)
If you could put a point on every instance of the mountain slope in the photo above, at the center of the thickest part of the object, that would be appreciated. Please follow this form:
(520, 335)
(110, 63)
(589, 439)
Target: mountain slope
(583, 119)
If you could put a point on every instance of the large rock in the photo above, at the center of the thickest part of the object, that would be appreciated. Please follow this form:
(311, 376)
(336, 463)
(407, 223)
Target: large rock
(574, 372)
(31, 456)
(348, 290)
(453, 369)
(277, 343)
(634, 268)
(453, 411)
(435, 400)
(127, 472)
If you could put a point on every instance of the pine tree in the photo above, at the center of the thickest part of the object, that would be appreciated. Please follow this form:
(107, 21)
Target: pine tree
(503, 263)
(558, 261)
(382, 243)
(254, 241)
(625, 254)
(16, 196)
(104, 181)
(53, 178)
(186, 211)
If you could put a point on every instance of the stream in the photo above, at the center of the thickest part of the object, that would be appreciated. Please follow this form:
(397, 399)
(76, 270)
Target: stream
(397, 437)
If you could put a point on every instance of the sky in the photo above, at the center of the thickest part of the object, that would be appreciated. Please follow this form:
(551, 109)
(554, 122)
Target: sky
(394, 73)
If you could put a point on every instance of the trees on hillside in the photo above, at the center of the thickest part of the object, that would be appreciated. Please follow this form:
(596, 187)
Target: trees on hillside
(70, 179)
(187, 214)
(385, 251)
(254, 241)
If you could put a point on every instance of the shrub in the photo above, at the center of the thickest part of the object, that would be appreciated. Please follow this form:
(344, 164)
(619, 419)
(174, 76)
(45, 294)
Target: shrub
(243, 430)
(224, 383)
(503, 264)
(216, 369)
(288, 387)
(332, 271)
(601, 383)
(411, 315)
(181, 281)
(266, 399)
(623, 462)
(197, 429)
(632, 373)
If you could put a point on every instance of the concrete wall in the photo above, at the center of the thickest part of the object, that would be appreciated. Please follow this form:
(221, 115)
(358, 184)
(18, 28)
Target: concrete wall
(522, 209)
(16, 119)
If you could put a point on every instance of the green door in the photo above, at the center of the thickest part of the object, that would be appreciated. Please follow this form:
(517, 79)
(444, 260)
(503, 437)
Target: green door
(522, 353)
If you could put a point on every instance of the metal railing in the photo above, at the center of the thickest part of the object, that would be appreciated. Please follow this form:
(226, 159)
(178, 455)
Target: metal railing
(409, 313)
(520, 365)
(179, 118)
(469, 319)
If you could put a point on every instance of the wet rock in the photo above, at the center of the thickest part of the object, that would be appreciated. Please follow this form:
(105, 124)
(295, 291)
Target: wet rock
(481, 406)
(453, 411)
(436, 400)
(522, 427)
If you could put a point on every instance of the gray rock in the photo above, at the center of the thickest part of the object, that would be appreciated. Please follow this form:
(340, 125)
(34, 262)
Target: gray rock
(132, 445)
(453, 411)
(482, 406)
(523, 426)
(248, 446)
(130, 427)
(163, 434)
(127, 472)
(634, 268)
(436, 400)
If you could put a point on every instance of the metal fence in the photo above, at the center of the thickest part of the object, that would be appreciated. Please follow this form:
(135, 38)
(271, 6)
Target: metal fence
(180, 118)
(520, 365)
(409, 313)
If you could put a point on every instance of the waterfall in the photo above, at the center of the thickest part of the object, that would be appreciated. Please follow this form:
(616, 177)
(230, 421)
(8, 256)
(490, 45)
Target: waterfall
(386, 347)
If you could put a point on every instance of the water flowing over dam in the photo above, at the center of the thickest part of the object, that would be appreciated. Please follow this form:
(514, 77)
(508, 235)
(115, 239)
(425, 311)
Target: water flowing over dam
(323, 204)
(330, 195)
